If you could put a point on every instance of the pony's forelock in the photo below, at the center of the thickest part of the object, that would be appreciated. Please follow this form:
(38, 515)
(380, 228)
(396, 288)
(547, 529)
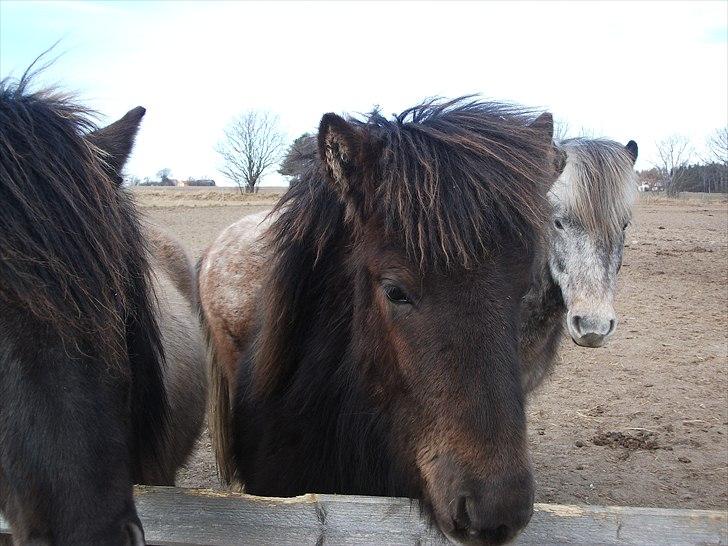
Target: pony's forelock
(598, 186)
(451, 177)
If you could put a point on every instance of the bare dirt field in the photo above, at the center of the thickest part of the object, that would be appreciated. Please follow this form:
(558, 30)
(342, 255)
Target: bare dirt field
(641, 422)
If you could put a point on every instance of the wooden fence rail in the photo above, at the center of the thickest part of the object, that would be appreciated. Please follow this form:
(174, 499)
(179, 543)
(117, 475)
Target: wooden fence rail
(173, 516)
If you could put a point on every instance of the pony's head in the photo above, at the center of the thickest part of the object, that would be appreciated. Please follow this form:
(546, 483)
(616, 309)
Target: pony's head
(443, 213)
(592, 206)
(76, 295)
(71, 243)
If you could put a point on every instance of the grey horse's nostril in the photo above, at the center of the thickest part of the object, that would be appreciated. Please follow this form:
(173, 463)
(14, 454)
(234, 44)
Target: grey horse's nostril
(612, 326)
(576, 324)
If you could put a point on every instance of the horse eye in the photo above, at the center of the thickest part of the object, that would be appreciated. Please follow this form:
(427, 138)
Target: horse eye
(395, 294)
(558, 224)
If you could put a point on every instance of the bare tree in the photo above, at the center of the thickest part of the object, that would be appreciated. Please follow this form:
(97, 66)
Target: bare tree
(673, 156)
(718, 146)
(252, 145)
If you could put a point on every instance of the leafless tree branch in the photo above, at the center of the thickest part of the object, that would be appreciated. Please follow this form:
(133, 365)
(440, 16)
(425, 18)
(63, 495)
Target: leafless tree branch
(673, 156)
(252, 145)
(718, 146)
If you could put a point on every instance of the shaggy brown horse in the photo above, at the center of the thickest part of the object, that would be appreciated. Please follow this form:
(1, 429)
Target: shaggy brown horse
(101, 384)
(378, 336)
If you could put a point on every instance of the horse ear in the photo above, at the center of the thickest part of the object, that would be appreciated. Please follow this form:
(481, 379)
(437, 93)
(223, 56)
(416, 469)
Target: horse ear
(632, 150)
(117, 139)
(340, 146)
(560, 159)
(544, 124)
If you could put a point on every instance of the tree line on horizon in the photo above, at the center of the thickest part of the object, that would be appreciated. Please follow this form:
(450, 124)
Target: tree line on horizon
(680, 169)
(253, 144)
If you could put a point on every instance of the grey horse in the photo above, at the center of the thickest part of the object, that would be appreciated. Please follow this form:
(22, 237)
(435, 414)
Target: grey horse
(574, 283)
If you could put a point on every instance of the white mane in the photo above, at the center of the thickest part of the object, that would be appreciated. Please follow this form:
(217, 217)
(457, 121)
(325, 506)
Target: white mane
(598, 186)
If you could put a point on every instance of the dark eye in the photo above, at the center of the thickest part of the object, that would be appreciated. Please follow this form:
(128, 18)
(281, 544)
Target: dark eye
(626, 224)
(558, 224)
(395, 294)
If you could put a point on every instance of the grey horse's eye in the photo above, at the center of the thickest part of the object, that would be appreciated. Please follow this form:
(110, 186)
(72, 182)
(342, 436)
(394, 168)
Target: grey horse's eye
(558, 224)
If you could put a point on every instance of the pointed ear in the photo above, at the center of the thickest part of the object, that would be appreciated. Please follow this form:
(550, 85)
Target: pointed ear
(544, 124)
(560, 159)
(341, 146)
(632, 150)
(117, 139)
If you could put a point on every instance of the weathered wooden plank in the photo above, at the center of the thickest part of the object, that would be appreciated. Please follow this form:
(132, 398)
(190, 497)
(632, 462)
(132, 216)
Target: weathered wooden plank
(200, 516)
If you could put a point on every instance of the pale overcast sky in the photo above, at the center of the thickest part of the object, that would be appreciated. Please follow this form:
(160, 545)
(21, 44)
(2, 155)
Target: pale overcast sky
(624, 70)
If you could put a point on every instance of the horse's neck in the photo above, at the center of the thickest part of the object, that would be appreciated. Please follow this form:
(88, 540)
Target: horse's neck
(542, 323)
(544, 298)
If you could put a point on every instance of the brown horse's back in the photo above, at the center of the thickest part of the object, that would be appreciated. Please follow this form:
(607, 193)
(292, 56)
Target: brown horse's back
(185, 377)
(229, 279)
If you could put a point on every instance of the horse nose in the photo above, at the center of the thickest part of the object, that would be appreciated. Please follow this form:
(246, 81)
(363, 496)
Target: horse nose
(493, 514)
(591, 330)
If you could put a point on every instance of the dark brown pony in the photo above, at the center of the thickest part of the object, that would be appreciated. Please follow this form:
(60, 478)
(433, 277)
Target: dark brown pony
(84, 412)
(382, 354)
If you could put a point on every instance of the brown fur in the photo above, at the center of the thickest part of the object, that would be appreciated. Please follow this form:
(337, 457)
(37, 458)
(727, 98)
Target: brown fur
(83, 408)
(101, 365)
(229, 279)
(80, 284)
(381, 352)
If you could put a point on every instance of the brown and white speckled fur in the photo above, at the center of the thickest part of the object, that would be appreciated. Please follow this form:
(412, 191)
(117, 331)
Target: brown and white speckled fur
(229, 278)
(185, 377)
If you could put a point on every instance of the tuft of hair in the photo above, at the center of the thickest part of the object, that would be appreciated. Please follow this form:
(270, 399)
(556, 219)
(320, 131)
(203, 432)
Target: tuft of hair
(219, 400)
(72, 255)
(65, 252)
(301, 153)
(598, 186)
(449, 177)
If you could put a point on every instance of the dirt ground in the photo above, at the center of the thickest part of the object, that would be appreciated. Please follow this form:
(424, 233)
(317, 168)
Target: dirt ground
(641, 422)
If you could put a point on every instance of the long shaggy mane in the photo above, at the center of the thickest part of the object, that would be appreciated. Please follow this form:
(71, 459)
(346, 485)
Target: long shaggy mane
(451, 176)
(72, 254)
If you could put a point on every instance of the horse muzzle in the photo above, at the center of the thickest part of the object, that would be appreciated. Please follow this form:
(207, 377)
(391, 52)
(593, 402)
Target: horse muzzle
(473, 511)
(591, 330)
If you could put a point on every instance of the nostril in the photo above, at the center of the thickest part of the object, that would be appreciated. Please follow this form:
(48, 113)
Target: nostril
(612, 326)
(462, 519)
(576, 323)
